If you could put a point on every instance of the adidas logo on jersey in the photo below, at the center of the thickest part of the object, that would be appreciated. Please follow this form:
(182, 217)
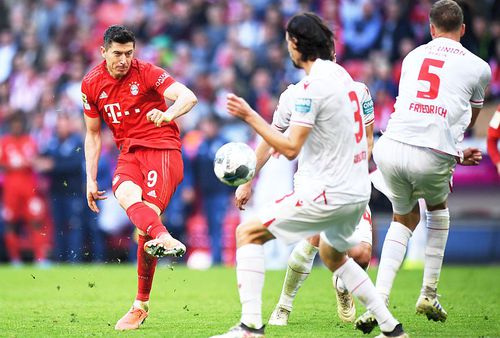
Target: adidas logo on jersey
(103, 95)
(152, 193)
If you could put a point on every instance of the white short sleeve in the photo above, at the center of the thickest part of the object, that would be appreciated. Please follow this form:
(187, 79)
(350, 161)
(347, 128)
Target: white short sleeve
(367, 106)
(283, 112)
(477, 98)
(305, 105)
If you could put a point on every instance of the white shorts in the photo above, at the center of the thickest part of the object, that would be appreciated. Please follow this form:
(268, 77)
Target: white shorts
(300, 215)
(412, 172)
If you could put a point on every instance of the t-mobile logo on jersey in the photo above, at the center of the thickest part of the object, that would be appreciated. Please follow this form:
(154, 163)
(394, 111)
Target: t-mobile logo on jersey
(114, 113)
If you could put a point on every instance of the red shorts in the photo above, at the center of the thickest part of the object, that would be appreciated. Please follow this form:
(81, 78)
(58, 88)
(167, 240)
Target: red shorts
(157, 171)
(21, 202)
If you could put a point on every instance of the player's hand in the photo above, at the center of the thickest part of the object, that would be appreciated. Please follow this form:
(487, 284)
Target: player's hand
(472, 156)
(94, 195)
(242, 195)
(238, 107)
(158, 117)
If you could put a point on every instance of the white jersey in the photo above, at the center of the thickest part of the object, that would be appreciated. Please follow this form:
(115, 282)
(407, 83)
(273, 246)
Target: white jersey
(440, 82)
(335, 153)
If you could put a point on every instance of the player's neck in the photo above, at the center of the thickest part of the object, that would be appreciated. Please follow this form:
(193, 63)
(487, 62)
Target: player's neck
(307, 65)
(455, 36)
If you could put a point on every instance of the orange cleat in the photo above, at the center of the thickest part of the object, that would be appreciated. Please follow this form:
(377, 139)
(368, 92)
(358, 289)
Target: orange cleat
(132, 319)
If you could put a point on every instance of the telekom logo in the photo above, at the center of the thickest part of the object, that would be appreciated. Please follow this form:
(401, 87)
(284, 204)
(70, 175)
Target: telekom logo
(114, 113)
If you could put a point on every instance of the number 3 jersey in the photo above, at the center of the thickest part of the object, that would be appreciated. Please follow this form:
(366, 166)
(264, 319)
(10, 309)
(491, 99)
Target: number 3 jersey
(334, 156)
(123, 105)
(440, 82)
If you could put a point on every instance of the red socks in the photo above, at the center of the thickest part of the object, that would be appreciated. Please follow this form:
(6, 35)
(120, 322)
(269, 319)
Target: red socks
(146, 219)
(39, 243)
(146, 265)
(12, 244)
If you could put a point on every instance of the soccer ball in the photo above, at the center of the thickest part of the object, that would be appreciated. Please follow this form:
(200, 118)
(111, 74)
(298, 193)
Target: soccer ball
(234, 163)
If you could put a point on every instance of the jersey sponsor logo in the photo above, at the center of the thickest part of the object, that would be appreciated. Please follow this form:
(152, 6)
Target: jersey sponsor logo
(161, 79)
(86, 104)
(152, 193)
(103, 95)
(303, 105)
(368, 107)
(134, 88)
(114, 113)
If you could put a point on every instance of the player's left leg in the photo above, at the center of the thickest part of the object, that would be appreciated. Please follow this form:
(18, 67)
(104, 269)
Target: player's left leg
(35, 214)
(438, 223)
(250, 269)
(299, 267)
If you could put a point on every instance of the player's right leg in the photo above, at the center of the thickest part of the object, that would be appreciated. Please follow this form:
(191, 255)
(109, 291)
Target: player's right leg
(438, 222)
(250, 269)
(357, 281)
(299, 267)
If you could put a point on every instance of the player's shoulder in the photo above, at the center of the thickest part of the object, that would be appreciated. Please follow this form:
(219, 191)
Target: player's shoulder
(96, 73)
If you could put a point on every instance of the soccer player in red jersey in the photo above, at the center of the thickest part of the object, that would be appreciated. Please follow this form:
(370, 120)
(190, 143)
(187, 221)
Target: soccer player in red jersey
(130, 96)
(493, 137)
(21, 202)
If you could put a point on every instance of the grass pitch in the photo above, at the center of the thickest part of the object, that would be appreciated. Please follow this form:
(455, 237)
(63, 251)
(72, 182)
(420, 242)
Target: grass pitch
(87, 300)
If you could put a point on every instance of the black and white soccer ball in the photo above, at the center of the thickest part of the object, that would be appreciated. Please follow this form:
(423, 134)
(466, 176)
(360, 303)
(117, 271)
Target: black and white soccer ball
(234, 163)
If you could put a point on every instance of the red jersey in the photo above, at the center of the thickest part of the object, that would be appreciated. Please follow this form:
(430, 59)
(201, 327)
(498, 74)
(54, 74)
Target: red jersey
(123, 105)
(16, 154)
(493, 137)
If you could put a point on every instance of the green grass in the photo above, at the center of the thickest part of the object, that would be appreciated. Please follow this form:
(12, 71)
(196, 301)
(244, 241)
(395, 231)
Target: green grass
(87, 300)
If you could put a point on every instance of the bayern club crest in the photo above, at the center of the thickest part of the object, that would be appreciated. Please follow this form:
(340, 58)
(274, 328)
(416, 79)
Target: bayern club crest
(134, 88)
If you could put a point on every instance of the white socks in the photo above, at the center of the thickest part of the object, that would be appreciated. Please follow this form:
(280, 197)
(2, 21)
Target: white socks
(250, 274)
(438, 224)
(359, 284)
(141, 304)
(299, 267)
(393, 253)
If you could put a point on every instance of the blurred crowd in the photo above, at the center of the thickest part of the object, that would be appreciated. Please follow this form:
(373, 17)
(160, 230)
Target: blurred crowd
(214, 47)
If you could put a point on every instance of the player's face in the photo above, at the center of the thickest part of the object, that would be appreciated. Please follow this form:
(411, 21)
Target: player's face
(293, 52)
(118, 58)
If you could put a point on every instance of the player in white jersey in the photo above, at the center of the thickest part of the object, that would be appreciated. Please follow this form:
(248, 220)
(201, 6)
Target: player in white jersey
(441, 92)
(302, 257)
(331, 185)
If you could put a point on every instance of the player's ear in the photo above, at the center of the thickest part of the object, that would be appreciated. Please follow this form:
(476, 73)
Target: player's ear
(462, 30)
(432, 30)
(103, 52)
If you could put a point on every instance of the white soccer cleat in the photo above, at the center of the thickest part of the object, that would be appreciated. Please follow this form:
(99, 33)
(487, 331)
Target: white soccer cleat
(366, 322)
(430, 307)
(279, 317)
(242, 331)
(346, 309)
(398, 332)
(165, 246)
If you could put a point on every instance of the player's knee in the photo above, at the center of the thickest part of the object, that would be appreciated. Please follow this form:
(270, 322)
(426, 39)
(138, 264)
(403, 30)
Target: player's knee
(251, 233)
(128, 194)
(361, 254)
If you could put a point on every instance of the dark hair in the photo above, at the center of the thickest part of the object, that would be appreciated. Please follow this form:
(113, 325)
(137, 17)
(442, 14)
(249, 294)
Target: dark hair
(313, 38)
(446, 15)
(119, 34)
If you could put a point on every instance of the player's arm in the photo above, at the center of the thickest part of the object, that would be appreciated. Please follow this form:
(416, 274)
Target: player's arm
(475, 114)
(244, 192)
(92, 153)
(183, 98)
(369, 138)
(287, 145)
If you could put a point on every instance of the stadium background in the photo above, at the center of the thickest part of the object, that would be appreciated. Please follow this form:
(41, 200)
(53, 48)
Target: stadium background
(216, 47)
